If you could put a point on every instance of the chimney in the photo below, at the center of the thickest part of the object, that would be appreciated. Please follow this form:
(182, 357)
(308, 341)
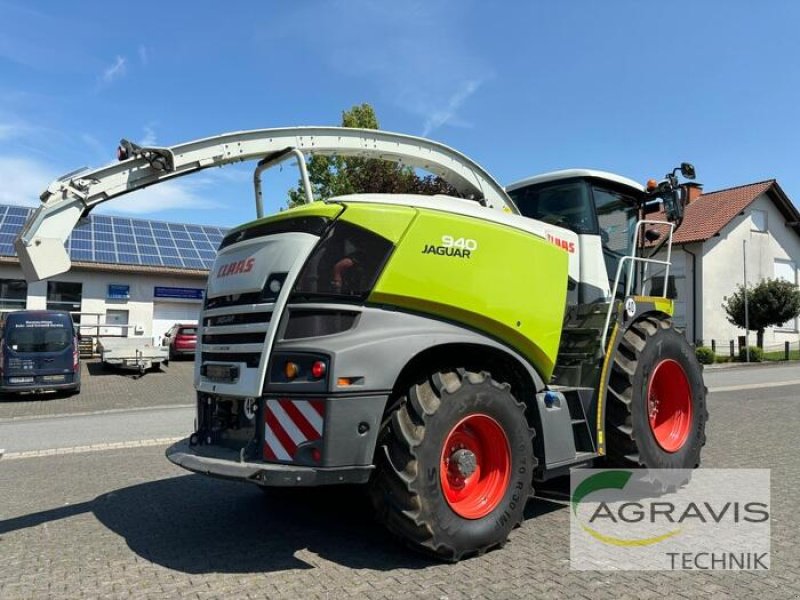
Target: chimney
(695, 191)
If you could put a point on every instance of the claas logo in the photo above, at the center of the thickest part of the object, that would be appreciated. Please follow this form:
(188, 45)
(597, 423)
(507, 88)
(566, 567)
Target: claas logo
(236, 267)
(565, 244)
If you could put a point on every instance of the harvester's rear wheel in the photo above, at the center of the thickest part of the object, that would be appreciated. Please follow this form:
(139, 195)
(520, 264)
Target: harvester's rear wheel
(454, 465)
(656, 409)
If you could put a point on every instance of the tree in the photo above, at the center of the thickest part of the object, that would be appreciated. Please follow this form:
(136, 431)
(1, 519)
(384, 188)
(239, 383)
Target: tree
(771, 302)
(336, 176)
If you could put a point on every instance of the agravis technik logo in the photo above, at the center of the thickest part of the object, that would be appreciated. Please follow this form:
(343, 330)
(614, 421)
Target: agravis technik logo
(670, 519)
(610, 480)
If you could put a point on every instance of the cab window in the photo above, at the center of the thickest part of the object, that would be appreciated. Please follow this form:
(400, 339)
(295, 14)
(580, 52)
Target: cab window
(616, 217)
(563, 204)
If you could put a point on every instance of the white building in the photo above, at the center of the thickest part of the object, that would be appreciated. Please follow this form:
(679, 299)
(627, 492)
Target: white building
(145, 275)
(720, 228)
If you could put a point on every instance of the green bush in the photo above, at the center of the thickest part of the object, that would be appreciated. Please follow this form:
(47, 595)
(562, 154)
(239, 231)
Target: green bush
(705, 355)
(756, 354)
(722, 359)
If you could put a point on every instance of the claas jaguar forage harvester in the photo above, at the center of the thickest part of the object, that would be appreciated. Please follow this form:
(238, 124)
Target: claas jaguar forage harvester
(446, 352)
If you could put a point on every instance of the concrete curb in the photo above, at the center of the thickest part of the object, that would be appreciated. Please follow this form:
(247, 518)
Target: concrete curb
(738, 365)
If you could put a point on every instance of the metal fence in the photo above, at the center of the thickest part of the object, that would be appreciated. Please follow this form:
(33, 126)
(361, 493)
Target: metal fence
(732, 350)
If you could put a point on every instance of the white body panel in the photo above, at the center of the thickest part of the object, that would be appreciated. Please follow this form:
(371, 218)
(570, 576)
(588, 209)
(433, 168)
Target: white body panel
(572, 173)
(594, 275)
(279, 253)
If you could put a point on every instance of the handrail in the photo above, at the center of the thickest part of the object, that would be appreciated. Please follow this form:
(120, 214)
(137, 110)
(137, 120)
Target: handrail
(632, 260)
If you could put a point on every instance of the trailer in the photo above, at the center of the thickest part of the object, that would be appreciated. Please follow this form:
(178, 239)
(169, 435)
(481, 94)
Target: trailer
(131, 353)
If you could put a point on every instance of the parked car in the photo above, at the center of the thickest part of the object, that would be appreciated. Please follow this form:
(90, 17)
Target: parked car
(39, 352)
(181, 340)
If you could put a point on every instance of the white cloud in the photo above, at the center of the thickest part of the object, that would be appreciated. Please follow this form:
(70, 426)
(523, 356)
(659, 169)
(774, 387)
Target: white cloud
(12, 127)
(115, 71)
(143, 58)
(419, 58)
(170, 195)
(149, 137)
(99, 150)
(23, 179)
(447, 115)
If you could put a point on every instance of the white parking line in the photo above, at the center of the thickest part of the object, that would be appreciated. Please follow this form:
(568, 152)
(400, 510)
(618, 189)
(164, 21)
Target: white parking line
(754, 386)
(90, 448)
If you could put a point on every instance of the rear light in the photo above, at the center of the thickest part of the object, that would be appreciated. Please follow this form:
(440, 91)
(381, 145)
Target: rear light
(299, 368)
(76, 356)
(291, 370)
(318, 369)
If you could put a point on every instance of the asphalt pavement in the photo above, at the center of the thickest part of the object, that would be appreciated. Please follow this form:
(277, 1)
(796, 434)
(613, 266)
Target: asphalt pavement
(751, 376)
(105, 515)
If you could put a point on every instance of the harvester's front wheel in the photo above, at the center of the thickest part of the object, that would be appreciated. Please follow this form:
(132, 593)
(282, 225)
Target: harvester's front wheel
(656, 409)
(454, 465)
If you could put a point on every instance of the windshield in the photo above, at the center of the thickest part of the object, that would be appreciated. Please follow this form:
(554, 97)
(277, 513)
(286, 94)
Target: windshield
(38, 335)
(562, 204)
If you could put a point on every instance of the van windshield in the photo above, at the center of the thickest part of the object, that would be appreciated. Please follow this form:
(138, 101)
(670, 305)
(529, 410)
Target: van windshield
(43, 335)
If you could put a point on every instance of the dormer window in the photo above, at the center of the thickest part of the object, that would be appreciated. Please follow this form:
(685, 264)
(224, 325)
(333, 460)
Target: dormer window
(758, 219)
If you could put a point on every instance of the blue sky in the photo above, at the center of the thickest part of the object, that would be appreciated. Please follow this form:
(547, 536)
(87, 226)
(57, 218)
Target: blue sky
(522, 87)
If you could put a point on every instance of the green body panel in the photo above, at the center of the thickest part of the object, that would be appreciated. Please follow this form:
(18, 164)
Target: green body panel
(315, 209)
(665, 305)
(503, 282)
(387, 221)
(506, 283)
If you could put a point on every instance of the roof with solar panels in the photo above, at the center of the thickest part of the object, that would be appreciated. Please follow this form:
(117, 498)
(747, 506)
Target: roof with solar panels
(127, 244)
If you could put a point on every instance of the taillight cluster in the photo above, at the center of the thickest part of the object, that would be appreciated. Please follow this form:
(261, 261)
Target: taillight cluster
(299, 368)
(292, 370)
(76, 355)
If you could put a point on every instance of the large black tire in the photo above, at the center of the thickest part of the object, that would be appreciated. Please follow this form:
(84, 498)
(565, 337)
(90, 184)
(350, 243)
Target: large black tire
(407, 489)
(651, 356)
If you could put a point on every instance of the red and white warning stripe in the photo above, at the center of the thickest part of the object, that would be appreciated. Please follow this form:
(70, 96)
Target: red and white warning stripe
(289, 423)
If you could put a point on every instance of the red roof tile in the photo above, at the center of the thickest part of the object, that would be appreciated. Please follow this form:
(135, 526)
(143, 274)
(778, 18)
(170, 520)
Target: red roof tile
(707, 215)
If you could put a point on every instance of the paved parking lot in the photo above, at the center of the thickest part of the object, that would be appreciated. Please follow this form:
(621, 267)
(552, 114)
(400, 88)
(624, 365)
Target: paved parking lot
(108, 389)
(127, 524)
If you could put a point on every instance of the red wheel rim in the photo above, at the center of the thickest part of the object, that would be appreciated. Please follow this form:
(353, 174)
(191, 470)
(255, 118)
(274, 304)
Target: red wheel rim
(476, 466)
(669, 405)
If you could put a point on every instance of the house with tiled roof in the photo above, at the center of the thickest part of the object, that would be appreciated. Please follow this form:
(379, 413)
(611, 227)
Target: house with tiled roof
(753, 227)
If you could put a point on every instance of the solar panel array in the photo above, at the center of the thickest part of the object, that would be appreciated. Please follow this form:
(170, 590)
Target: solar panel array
(121, 240)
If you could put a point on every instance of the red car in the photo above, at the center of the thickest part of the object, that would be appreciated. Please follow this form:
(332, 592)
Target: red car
(181, 339)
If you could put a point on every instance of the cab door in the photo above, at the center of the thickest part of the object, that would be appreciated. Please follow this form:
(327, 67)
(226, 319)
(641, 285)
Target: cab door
(616, 218)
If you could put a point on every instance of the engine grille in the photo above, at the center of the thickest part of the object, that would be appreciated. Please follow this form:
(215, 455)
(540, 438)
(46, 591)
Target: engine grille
(234, 330)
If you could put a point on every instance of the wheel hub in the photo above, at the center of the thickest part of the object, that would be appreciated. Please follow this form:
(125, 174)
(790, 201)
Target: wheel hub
(463, 462)
(475, 466)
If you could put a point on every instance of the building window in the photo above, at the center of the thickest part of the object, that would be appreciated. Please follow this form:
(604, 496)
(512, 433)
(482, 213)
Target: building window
(759, 220)
(65, 295)
(786, 270)
(657, 287)
(13, 294)
(116, 322)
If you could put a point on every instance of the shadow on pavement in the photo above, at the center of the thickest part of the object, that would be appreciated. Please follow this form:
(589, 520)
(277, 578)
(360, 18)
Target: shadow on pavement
(31, 397)
(99, 369)
(196, 524)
